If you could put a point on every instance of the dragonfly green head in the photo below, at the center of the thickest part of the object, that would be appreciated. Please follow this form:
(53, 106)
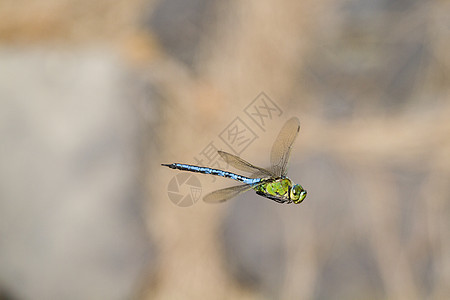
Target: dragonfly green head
(297, 194)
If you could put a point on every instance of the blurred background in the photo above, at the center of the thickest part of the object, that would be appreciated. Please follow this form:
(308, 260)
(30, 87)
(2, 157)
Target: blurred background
(95, 95)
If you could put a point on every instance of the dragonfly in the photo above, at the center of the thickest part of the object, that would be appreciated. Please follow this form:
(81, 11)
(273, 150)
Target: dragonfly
(271, 183)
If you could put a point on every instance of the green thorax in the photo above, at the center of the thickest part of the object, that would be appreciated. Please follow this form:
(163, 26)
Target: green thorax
(279, 187)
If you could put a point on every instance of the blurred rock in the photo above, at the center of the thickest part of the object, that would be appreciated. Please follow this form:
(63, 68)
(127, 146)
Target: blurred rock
(350, 272)
(181, 25)
(71, 194)
(362, 62)
(345, 266)
(254, 244)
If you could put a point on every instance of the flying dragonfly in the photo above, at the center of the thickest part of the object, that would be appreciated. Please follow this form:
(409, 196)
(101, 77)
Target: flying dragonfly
(271, 183)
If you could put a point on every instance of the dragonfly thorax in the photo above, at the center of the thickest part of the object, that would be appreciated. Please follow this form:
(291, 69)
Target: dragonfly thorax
(282, 190)
(277, 189)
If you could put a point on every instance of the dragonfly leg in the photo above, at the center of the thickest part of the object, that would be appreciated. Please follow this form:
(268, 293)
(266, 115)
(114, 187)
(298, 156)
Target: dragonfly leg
(274, 198)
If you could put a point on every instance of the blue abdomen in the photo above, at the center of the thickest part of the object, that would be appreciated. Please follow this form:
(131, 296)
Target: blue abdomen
(217, 172)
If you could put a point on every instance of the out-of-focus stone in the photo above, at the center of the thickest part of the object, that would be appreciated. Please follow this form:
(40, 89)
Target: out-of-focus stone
(71, 196)
(359, 61)
(254, 243)
(181, 25)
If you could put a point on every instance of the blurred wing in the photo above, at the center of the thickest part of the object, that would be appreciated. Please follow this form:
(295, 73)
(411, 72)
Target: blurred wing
(243, 165)
(227, 193)
(281, 148)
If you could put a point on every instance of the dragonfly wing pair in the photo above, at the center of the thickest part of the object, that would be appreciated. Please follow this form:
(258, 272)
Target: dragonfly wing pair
(227, 193)
(281, 149)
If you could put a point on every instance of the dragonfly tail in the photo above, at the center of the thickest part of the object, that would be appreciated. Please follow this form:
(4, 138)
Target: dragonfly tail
(172, 166)
(211, 171)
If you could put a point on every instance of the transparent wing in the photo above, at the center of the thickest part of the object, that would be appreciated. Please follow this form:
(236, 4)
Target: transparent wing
(227, 193)
(281, 148)
(243, 165)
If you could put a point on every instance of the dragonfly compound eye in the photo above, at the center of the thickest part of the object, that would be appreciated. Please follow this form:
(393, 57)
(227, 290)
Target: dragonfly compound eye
(298, 194)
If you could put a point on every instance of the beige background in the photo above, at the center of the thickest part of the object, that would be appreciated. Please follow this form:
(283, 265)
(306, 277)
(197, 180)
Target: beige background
(94, 95)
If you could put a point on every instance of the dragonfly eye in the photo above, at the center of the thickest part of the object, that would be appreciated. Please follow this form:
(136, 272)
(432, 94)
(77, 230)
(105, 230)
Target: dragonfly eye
(298, 194)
